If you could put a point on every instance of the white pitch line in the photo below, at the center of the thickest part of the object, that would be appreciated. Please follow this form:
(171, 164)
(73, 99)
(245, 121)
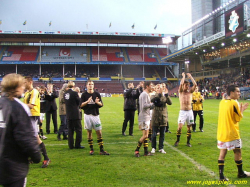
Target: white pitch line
(198, 165)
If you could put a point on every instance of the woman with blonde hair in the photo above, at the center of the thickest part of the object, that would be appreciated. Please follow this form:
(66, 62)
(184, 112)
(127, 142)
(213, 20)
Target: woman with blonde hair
(16, 134)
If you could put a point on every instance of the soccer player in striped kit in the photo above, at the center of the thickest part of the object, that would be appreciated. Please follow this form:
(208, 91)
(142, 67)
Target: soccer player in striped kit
(91, 102)
(32, 99)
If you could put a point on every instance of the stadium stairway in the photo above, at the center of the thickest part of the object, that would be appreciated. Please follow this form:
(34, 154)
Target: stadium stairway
(2, 52)
(125, 54)
(158, 76)
(173, 90)
(157, 55)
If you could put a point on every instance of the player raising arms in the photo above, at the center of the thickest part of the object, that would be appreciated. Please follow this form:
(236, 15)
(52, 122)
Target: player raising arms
(186, 113)
(91, 102)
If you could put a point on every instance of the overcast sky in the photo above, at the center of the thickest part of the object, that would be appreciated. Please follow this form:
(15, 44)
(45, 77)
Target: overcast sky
(171, 16)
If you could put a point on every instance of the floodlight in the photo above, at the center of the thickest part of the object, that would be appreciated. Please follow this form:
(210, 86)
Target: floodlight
(235, 40)
(167, 40)
(222, 44)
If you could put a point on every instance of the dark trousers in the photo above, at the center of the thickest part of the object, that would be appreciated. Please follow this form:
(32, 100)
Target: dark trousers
(129, 116)
(74, 125)
(167, 127)
(200, 113)
(19, 183)
(63, 127)
(162, 136)
(54, 119)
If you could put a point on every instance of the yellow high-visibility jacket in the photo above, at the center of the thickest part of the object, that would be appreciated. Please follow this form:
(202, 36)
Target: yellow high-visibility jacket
(197, 101)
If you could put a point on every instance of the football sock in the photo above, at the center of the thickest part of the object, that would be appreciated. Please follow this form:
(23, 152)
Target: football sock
(221, 168)
(41, 128)
(149, 134)
(194, 126)
(178, 135)
(188, 136)
(44, 152)
(100, 143)
(90, 141)
(239, 166)
(145, 144)
(138, 146)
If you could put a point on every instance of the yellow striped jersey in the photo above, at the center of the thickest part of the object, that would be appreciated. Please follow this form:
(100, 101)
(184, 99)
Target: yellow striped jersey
(33, 97)
(228, 122)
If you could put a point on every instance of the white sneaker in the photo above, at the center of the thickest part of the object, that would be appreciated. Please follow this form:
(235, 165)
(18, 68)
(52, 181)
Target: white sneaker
(153, 150)
(44, 137)
(162, 151)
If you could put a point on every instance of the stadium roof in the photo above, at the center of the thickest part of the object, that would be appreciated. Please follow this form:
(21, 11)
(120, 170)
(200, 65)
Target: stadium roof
(193, 53)
(58, 36)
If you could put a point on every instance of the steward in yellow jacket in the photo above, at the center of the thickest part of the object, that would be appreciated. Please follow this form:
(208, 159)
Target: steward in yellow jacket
(197, 105)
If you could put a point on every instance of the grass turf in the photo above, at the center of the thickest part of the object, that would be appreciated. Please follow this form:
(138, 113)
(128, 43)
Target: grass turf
(176, 168)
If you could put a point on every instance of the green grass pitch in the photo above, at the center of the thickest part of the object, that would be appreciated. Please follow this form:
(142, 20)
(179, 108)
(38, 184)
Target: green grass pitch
(180, 165)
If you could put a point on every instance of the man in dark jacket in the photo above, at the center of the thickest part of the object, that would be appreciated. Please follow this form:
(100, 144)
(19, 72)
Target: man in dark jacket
(51, 108)
(130, 96)
(72, 102)
(17, 135)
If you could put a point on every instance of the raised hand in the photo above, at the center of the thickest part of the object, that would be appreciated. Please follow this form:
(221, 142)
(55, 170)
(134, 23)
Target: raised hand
(243, 107)
(97, 100)
(189, 75)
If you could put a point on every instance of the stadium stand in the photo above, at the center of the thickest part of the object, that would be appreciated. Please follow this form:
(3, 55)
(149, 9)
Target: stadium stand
(132, 71)
(65, 54)
(19, 53)
(109, 70)
(228, 51)
(107, 54)
(136, 55)
(109, 87)
(162, 52)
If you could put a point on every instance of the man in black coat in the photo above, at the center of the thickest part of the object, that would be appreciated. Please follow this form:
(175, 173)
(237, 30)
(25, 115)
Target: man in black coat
(130, 96)
(51, 108)
(72, 102)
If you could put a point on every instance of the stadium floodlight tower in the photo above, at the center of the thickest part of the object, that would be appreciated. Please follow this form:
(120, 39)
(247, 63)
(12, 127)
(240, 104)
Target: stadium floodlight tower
(167, 40)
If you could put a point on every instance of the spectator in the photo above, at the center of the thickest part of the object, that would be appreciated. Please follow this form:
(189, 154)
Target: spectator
(17, 143)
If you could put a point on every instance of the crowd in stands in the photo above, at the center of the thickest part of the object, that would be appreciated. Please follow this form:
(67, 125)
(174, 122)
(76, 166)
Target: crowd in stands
(221, 83)
(82, 71)
(231, 50)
